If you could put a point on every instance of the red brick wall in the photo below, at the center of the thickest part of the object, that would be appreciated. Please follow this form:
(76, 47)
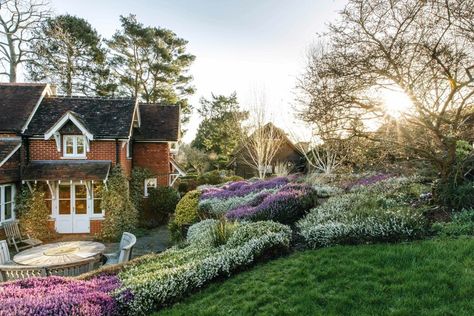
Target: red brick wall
(125, 163)
(155, 157)
(46, 150)
(96, 226)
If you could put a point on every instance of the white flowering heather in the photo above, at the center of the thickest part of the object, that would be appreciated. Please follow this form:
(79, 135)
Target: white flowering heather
(324, 190)
(360, 217)
(165, 277)
(202, 232)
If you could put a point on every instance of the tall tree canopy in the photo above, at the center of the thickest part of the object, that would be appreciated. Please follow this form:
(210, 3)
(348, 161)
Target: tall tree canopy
(151, 63)
(220, 129)
(424, 48)
(68, 52)
(17, 20)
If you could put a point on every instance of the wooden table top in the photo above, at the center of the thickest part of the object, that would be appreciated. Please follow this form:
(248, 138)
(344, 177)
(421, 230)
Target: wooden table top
(59, 253)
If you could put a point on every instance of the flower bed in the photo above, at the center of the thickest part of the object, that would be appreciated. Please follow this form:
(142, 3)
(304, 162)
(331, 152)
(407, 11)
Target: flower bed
(163, 278)
(59, 296)
(382, 212)
(277, 199)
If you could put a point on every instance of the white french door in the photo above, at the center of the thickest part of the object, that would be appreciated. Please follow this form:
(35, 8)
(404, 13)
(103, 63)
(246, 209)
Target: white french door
(73, 214)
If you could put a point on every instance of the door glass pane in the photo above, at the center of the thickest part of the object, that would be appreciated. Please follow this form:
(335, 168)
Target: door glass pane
(81, 191)
(64, 207)
(64, 199)
(80, 145)
(81, 207)
(64, 191)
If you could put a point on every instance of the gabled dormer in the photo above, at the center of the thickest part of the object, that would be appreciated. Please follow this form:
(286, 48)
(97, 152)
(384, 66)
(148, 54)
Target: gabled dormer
(71, 135)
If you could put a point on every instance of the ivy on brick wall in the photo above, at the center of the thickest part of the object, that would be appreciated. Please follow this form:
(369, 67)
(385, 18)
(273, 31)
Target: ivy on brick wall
(121, 215)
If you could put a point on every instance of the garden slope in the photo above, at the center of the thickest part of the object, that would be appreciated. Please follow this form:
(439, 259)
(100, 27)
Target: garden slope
(420, 278)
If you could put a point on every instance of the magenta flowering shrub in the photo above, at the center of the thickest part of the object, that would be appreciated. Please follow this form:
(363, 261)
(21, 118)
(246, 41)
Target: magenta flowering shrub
(369, 180)
(242, 188)
(286, 206)
(59, 296)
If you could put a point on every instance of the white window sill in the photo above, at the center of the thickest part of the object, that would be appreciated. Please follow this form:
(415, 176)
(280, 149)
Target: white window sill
(74, 157)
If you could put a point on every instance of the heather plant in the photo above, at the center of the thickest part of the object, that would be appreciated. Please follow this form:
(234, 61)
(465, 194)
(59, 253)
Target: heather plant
(159, 279)
(242, 188)
(382, 213)
(286, 205)
(186, 214)
(61, 296)
(217, 206)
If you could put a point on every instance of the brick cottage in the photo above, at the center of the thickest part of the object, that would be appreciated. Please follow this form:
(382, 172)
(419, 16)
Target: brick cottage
(68, 145)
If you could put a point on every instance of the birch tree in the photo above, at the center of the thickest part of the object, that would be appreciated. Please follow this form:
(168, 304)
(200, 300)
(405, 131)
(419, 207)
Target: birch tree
(18, 18)
(261, 142)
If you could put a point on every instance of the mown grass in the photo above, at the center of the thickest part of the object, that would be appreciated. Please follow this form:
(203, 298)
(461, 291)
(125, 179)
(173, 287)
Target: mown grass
(434, 277)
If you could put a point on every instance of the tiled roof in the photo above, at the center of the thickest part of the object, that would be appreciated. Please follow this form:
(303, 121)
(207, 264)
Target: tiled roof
(158, 122)
(67, 170)
(103, 117)
(7, 146)
(17, 101)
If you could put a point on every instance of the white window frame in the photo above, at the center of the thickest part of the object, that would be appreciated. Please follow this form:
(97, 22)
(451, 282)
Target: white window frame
(74, 146)
(3, 203)
(153, 182)
(92, 199)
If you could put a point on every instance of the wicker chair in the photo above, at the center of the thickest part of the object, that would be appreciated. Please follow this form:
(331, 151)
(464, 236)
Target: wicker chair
(14, 237)
(125, 254)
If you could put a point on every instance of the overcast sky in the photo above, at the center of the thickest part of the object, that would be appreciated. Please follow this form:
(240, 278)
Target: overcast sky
(247, 46)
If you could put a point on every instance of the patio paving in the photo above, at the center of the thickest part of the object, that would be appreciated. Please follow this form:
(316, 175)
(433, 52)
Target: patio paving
(154, 240)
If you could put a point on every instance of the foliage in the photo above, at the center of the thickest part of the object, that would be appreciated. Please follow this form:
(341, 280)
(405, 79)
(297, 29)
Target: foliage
(462, 224)
(220, 128)
(160, 279)
(34, 214)
(382, 212)
(163, 201)
(137, 185)
(455, 196)
(431, 277)
(217, 177)
(120, 213)
(201, 233)
(69, 53)
(286, 205)
(151, 64)
(187, 209)
(195, 158)
(421, 49)
(59, 296)
(281, 169)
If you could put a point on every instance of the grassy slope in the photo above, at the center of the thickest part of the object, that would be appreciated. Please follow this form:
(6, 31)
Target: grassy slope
(420, 278)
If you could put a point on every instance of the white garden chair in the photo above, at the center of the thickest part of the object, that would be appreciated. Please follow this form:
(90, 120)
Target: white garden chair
(4, 253)
(125, 250)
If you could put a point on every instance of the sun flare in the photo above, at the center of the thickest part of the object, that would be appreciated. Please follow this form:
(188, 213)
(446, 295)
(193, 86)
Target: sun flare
(396, 103)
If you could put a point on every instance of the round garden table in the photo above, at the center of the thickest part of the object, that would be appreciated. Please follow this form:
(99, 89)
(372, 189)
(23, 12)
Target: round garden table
(59, 253)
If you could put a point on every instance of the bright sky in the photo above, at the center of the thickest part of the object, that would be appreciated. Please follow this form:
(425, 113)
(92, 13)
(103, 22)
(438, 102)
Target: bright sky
(248, 46)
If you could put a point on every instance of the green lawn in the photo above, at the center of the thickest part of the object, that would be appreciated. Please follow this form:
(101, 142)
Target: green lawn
(421, 278)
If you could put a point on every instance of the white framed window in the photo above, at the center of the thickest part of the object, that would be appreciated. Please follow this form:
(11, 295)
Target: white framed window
(74, 146)
(97, 189)
(149, 184)
(7, 202)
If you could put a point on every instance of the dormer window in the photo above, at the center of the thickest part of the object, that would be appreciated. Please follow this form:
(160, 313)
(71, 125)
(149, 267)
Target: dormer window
(74, 146)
